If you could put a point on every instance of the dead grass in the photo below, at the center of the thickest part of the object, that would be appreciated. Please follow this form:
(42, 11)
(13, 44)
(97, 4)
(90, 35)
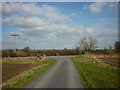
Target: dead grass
(106, 60)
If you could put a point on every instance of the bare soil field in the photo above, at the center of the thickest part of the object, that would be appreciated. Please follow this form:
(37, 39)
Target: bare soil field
(10, 70)
(12, 67)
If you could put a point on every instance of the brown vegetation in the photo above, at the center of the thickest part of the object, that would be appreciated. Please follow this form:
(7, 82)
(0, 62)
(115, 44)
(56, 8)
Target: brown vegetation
(53, 52)
(109, 57)
(56, 52)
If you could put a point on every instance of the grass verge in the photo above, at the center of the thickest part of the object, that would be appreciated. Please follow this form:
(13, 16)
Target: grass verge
(24, 78)
(96, 75)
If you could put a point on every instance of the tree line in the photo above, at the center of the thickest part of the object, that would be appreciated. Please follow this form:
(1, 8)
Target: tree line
(85, 44)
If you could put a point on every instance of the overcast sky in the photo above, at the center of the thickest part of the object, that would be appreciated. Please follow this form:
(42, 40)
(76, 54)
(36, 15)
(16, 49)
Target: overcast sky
(59, 25)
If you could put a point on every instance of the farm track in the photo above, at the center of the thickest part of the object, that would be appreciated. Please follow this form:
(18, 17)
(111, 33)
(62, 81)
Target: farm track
(62, 75)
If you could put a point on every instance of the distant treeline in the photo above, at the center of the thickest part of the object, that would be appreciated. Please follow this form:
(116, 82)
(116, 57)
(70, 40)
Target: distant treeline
(22, 53)
(85, 45)
(73, 52)
(26, 52)
(57, 52)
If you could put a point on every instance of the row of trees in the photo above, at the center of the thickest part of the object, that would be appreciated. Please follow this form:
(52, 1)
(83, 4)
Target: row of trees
(54, 52)
(18, 53)
(84, 44)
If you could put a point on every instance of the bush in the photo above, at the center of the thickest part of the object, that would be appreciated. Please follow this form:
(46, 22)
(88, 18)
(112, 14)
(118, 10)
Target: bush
(11, 53)
(22, 54)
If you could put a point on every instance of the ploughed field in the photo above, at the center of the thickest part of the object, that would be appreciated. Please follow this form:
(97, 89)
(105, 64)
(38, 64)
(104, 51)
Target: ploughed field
(14, 66)
(18, 72)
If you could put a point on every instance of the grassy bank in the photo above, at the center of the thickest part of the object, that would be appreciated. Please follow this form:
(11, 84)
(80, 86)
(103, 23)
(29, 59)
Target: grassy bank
(26, 76)
(96, 75)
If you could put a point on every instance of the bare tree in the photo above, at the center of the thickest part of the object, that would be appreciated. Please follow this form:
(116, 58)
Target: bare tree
(83, 43)
(92, 43)
(87, 43)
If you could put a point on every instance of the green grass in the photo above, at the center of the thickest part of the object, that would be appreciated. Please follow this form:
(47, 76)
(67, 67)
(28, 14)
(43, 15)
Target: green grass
(94, 74)
(30, 75)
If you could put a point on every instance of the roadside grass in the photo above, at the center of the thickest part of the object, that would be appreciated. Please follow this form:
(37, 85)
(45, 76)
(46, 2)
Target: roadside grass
(96, 75)
(27, 76)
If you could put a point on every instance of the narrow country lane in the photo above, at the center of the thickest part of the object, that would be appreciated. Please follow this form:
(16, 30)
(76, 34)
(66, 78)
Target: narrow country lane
(62, 75)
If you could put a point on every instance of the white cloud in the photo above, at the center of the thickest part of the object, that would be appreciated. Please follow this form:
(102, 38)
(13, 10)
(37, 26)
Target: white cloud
(25, 21)
(39, 18)
(9, 44)
(73, 14)
(106, 37)
(108, 33)
(13, 8)
(32, 9)
(112, 4)
(45, 26)
(0, 9)
(90, 30)
(55, 32)
(96, 7)
(38, 24)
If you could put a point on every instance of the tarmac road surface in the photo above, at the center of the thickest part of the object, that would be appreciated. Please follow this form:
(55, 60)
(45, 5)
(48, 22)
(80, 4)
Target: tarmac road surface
(62, 75)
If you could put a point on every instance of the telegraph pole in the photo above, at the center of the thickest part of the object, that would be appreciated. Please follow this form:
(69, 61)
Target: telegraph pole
(14, 35)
